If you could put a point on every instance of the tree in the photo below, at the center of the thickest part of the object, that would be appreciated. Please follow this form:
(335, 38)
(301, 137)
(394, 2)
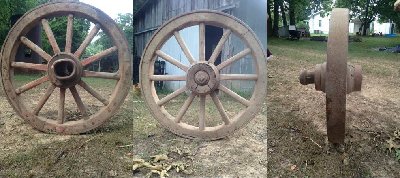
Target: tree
(276, 18)
(386, 12)
(365, 10)
(125, 23)
(9, 8)
(269, 20)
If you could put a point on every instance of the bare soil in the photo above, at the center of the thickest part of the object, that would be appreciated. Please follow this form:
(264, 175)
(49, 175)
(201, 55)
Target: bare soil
(103, 152)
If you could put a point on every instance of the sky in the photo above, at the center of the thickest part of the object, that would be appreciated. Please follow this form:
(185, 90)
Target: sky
(112, 7)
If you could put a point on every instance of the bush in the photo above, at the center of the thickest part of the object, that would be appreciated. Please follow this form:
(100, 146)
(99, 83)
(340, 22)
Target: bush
(318, 38)
(355, 38)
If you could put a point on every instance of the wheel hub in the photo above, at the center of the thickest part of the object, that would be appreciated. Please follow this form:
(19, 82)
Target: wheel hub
(202, 78)
(64, 70)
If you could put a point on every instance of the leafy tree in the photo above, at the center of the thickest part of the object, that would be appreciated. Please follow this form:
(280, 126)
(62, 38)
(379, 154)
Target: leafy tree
(125, 23)
(59, 27)
(9, 8)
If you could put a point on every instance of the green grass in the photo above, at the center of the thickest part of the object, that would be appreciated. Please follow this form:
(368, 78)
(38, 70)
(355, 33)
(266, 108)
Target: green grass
(362, 49)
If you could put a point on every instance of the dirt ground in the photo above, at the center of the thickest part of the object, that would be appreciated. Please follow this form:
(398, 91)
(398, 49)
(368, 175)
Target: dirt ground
(103, 152)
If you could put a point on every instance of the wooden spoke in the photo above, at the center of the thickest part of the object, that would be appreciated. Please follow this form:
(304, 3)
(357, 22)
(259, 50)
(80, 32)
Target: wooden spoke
(185, 107)
(50, 36)
(172, 60)
(93, 92)
(219, 46)
(31, 66)
(87, 41)
(168, 77)
(78, 101)
(220, 108)
(61, 104)
(171, 96)
(44, 99)
(234, 95)
(238, 76)
(99, 56)
(31, 85)
(184, 48)
(70, 30)
(202, 42)
(202, 113)
(103, 75)
(234, 58)
(35, 48)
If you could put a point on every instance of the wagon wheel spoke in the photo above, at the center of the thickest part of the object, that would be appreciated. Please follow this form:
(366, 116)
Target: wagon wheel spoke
(78, 101)
(184, 47)
(202, 42)
(219, 46)
(202, 113)
(238, 76)
(168, 77)
(185, 107)
(172, 60)
(31, 85)
(87, 41)
(103, 75)
(70, 30)
(171, 96)
(30, 66)
(93, 92)
(44, 99)
(98, 56)
(220, 108)
(50, 36)
(234, 58)
(61, 103)
(35, 48)
(234, 95)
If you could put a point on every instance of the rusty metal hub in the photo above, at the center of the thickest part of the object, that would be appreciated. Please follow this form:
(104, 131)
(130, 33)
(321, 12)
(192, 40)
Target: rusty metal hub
(318, 77)
(202, 78)
(64, 70)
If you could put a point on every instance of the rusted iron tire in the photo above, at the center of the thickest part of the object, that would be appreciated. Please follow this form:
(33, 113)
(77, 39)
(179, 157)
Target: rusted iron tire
(69, 62)
(336, 73)
(203, 76)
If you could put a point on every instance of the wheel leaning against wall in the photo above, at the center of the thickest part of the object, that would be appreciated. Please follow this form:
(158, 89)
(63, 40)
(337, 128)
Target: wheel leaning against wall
(203, 77)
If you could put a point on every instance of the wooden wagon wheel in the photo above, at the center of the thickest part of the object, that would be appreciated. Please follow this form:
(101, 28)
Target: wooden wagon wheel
(335, 77)
(204, 78)
(64, 70)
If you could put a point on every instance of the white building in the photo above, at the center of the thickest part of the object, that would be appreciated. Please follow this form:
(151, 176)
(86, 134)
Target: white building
(320, 25)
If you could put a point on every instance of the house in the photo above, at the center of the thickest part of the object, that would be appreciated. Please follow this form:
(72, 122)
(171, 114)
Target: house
(320, 25)
(155, 12)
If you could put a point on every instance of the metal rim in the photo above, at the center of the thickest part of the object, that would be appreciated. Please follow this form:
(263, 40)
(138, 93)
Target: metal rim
(336, 74)
(202, 131)
(16, 37)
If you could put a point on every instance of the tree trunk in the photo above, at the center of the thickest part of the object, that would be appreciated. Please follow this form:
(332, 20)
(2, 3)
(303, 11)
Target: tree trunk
(276, 18)
(292, 18)
(269, 21)
(366, 24)
(283, 11)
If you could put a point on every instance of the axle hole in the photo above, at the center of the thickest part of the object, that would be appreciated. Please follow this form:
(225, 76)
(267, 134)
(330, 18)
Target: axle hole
(64, 69)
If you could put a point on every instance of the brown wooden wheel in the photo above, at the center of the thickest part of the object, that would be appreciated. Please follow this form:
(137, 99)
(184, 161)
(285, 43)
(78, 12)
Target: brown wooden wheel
(335, 77)
(64, 70)
(203, 78)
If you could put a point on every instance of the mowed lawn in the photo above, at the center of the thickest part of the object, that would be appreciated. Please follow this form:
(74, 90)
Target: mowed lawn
(103, 152)
(297, 141)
